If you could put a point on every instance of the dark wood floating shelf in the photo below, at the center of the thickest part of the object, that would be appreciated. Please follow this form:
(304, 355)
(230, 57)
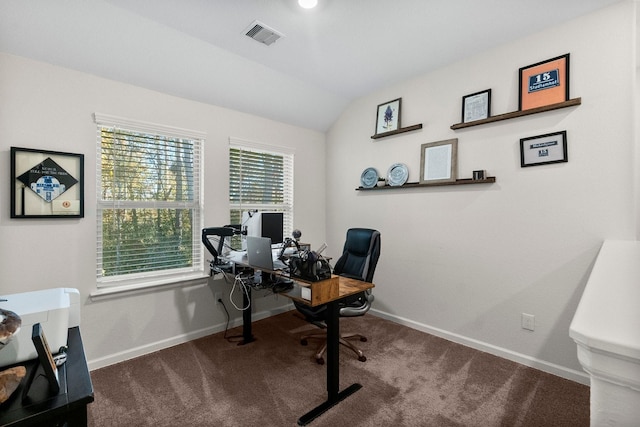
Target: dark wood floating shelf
(514, 114)
(488, 180)
(397, 131)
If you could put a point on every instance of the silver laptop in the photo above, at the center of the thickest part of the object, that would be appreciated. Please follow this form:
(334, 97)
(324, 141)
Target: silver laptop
(259, 254)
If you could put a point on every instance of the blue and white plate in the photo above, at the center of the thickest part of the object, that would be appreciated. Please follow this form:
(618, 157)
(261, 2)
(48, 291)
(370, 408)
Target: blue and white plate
(397, 174)
(369, 178)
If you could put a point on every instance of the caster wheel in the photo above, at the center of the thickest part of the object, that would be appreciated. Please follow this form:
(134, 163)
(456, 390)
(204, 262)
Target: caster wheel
(303, 342)
(362, 358)
(320, 361)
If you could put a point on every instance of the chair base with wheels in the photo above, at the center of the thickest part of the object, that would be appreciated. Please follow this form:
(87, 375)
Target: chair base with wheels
(344, 340)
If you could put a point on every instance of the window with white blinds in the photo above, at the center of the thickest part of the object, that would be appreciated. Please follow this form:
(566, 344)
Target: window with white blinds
(149, 201)
(260, 177)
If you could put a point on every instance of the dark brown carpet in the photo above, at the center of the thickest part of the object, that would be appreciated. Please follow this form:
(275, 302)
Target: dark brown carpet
(409, 379)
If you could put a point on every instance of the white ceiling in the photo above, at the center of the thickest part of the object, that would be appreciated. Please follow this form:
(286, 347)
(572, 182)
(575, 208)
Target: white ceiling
(329, 56)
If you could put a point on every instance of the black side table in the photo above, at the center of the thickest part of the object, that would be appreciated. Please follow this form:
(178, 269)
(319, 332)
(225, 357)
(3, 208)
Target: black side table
(68, 406)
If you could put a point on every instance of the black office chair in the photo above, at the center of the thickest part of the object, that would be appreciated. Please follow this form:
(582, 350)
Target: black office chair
(358, 260)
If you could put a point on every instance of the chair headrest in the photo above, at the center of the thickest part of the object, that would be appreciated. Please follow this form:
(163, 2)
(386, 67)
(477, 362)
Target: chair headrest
(358, 241)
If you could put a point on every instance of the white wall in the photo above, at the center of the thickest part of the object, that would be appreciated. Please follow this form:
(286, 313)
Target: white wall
(635, 114)
(463, 262)
(50, 108)
(466, 261)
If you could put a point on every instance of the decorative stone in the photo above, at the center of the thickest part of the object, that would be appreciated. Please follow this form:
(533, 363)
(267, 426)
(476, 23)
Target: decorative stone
(10, 324)
(9, 381)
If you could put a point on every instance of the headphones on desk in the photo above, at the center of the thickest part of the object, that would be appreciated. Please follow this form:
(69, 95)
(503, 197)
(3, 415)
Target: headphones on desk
(289, 242)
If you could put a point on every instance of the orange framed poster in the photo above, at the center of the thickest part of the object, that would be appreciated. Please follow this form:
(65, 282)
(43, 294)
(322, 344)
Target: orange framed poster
(544, 83)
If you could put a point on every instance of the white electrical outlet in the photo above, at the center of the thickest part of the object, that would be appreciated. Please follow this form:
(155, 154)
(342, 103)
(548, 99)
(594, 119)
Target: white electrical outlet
(528, 321)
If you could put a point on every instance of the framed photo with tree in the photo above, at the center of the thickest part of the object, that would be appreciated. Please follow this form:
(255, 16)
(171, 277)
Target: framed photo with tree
(388, 118)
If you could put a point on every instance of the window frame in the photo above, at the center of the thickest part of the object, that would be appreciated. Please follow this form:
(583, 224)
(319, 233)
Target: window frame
(288, 205)
(133, 281)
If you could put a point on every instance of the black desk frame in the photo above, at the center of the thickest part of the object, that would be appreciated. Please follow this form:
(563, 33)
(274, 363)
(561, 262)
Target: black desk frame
(334, 395)
(247, 335)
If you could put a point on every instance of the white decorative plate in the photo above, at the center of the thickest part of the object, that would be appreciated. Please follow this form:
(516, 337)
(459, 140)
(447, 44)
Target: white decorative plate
(369, 178)
(397, 174)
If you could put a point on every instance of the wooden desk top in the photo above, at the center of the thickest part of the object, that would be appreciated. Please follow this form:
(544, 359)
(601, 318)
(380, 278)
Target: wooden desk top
(323, 293)
(346, 287)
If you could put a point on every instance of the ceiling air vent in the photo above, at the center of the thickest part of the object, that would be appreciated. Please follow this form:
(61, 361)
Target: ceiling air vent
(260, 32)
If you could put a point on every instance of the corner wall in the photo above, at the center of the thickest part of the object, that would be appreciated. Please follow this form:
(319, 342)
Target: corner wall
(464, 262)
(50, 108)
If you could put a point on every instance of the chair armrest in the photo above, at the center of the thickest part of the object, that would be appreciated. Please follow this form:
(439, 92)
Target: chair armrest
(358, 308)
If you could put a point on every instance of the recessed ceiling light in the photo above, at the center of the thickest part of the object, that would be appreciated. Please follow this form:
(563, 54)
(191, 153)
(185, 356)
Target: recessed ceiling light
(308, 4)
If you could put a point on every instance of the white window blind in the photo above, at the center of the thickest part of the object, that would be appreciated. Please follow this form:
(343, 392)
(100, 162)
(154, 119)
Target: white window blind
(149, 204)
(260, 177)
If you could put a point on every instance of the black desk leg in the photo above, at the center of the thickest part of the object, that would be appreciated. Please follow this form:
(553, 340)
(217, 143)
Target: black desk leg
(247, 336)
(333, 351)
(334, 395)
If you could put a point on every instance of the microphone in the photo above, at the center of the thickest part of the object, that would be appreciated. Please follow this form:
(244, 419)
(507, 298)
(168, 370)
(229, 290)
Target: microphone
(288, 242)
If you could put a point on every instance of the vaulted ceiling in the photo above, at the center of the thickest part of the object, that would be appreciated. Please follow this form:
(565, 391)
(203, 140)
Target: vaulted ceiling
(327, 57)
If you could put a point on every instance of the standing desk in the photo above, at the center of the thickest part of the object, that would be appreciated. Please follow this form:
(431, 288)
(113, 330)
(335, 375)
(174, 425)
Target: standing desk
(345, 287)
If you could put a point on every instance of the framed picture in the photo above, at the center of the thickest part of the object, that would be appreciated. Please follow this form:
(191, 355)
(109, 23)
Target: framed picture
(543, 149)
(388, 118)
(46, 184)
(544, 83)
(476, 106)
(45, 357)
(439, 161)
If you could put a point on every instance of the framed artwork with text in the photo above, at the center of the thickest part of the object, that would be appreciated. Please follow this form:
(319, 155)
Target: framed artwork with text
(544, 83)
(46, 184)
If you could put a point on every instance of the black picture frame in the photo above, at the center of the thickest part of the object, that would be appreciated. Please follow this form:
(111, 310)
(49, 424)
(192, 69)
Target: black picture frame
(544, 83)
(46, 184)
(544, 149)
(45, 357)
(388, 116)
(476, 106)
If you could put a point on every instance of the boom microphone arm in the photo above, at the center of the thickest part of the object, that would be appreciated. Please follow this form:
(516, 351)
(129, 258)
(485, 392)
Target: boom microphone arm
(221, 232)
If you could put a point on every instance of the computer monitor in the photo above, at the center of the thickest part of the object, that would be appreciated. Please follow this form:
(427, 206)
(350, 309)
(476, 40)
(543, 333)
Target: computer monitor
(263, 224)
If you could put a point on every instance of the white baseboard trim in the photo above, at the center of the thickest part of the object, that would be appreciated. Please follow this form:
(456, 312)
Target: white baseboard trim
(532, 362)
(551, 368)
(114, 358)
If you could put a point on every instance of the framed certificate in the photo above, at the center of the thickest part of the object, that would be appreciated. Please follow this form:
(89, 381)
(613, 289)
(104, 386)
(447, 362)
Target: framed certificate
(544, 83)
(544, 149)
(439, 161)
(46, 184)
(476, 106)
